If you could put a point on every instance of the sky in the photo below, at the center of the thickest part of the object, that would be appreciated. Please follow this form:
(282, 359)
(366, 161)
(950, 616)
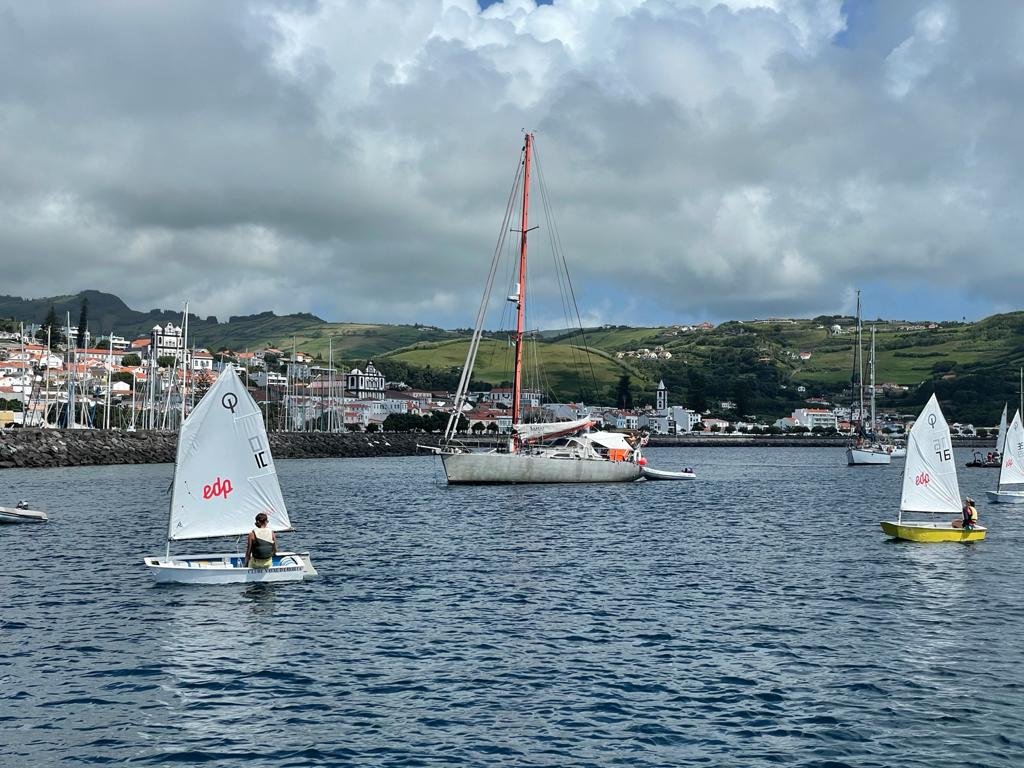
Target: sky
(705, 159)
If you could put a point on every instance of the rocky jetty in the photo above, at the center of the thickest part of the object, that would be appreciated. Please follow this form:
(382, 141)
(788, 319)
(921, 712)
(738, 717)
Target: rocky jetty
(69, 448)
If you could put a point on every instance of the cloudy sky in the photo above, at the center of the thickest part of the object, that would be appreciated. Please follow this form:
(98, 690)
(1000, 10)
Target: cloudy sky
(705, 159)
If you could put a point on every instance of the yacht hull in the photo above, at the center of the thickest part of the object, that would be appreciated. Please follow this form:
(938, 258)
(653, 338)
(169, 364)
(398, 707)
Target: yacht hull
(512, 468)
(863, 456)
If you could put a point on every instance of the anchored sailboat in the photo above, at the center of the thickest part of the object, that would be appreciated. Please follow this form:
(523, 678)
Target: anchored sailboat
(930, 484)
(224, 476)
(553, 452)
(865, 450)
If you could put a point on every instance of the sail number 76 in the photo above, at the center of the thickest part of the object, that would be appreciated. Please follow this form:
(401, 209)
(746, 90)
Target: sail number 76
(943, 450)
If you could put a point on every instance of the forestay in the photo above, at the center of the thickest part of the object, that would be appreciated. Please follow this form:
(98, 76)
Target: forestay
(929, 476)
(225, 473)
(1011, 471)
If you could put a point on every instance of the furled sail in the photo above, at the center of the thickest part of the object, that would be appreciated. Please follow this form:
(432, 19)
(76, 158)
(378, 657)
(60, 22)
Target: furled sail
(224, 474)
(530, 433)
(929, 476)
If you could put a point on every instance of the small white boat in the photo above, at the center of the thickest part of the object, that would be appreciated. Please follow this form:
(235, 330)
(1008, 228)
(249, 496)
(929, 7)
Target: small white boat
(895, 450)
(650, 473)
(21, 514)
(1010, 486)
(857, 455)
(930, 484)
(224, 476)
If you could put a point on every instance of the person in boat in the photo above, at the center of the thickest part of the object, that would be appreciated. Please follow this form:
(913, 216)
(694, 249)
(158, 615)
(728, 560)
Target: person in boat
(970, 516)
(262, 544)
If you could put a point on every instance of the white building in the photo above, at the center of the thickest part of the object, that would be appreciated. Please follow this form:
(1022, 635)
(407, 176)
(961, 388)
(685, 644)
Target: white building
(365, 385)
(268, 379)
(815, 417)
(202, 360)
(168, 341)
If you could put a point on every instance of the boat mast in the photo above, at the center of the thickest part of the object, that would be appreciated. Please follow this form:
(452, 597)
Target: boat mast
(872, 380)
(860, 368)
(521, 290)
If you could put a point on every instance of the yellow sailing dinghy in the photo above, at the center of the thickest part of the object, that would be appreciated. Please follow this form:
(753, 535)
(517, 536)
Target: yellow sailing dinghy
(930, 484)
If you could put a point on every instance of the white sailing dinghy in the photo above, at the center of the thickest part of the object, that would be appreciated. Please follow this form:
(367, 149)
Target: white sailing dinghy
(224, 476)
(930, 484)
(1011, 471)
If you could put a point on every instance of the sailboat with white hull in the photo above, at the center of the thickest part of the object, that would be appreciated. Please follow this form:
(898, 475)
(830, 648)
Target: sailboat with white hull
(1010, 486)
(552, 452)
(929, 484)
(865, 450)
(224, 476)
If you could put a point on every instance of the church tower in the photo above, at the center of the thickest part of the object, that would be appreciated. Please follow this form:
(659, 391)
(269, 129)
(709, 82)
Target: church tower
(662, 398)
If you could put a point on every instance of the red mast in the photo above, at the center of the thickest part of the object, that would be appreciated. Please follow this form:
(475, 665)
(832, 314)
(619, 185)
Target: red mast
(521, 290)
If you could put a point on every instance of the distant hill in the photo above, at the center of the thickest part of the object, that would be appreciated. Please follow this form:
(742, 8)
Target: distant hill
(310, 333)
(755, 364)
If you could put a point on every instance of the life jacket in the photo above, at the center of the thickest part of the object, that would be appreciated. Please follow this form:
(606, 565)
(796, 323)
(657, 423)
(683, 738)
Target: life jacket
(970, 516)
(261, 548)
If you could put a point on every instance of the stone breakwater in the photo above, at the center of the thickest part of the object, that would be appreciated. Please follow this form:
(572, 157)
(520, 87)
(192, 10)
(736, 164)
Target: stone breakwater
(69, 448)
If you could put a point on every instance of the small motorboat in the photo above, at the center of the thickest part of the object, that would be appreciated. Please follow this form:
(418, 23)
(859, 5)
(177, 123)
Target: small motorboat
(991, 461)
(21, 514)
(650, 473)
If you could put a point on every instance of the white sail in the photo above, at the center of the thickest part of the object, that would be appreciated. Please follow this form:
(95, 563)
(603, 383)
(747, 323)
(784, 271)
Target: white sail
(1011, 471)
(929, 476)
(550, 429)
(1001, 438)
(224, 474)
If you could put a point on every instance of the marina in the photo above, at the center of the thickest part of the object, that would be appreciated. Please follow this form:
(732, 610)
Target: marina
(531, 625)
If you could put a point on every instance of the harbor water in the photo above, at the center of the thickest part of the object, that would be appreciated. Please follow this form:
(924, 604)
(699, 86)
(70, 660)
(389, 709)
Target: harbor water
(756, 616)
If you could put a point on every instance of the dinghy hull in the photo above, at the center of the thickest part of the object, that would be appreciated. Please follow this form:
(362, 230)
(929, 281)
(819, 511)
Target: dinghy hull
(15, 515)
(1006, 497)
(662, 474)
(513, 468)
(228, 569)
(931, 532)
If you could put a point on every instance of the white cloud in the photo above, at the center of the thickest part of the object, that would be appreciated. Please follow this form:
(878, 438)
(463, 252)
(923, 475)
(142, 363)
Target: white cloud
(705, 158)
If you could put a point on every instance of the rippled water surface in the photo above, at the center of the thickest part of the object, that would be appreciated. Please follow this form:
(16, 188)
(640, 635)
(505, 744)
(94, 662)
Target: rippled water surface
(756, 616)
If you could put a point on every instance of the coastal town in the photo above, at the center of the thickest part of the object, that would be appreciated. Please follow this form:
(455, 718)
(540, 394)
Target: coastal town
(151, 382)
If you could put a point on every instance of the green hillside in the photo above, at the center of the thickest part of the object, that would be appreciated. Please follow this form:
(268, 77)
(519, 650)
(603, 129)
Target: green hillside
(562, 370)
(973, 366)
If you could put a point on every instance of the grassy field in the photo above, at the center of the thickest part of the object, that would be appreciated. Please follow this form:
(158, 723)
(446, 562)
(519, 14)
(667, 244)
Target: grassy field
(564, 368)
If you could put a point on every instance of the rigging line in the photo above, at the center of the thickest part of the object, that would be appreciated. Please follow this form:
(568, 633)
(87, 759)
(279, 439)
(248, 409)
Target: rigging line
(553, 226)
(474, 344)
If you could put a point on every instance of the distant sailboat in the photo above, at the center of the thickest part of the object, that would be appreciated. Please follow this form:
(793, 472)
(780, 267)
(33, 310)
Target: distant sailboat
(929, 483)
(1010, 486)
(865, 450)
(224, 476)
